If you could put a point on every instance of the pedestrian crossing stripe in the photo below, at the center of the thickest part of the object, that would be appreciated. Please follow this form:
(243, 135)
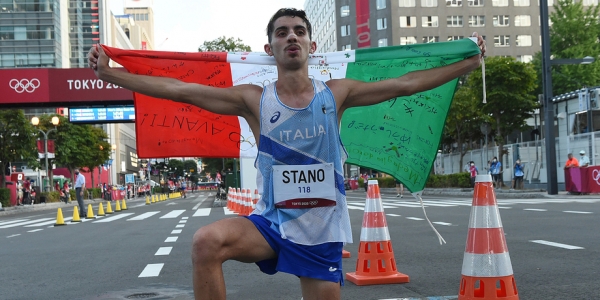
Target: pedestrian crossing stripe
(352, 205)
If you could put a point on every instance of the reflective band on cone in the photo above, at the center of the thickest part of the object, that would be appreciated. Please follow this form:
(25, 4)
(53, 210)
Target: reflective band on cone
(487, 270)
(376, 263)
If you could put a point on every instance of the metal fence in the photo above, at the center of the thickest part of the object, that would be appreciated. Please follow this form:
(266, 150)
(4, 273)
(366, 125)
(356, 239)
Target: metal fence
(532, 155)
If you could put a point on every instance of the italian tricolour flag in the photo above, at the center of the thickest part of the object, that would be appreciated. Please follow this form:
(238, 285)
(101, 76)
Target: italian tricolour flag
(399, 136)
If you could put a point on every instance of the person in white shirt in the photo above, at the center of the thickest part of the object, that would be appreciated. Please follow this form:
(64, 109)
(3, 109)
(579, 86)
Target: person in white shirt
(79, 188)
(584, 161)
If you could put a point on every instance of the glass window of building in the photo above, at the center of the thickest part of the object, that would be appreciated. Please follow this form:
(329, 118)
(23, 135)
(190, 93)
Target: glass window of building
(523, 40)
(408, 21)
(501, 21)
(475, 3)
(382, 43)
(431, 39)
(381, 24)
(523, 20)
(429, 3)
(455, 37)
(525, 58)
(502, 40)
(345, 30)
(20, 33)
(590, 2)
(408, 40)
(346, 47)
(406, 3)
(476, 21)
(499, 2)
(454, 21)
(550, 2)
(344, 11)
(453, 3)
(429, 21)
(380, 4)
(521, 2)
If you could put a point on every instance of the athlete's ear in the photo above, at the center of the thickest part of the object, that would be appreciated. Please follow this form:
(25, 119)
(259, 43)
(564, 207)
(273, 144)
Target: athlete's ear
(268, 50)
(313, 47)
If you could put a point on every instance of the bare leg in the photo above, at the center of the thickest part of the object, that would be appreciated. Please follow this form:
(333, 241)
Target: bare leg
(315, 289)
(234, 238)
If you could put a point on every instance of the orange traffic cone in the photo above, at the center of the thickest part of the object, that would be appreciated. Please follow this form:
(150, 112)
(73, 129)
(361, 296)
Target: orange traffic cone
(376, 263)
(256, 197)
(229, 198)
(486, 271)
(249, 208)
(236, 200)
(243, 203)
(345, 254)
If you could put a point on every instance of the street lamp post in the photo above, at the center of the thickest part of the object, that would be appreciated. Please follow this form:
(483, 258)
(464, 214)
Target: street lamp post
(36, 121)
(547, 63)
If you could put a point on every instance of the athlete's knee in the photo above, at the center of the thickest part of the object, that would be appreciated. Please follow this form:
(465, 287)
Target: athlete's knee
(206, 245)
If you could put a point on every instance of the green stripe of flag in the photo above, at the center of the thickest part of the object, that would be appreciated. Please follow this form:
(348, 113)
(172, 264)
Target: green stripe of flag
(401, 136)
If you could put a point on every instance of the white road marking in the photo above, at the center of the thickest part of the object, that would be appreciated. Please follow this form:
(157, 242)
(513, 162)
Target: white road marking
(197, 205)
(565, 246)
(577, 212)
(202, 212)
(176, 231)
(535, 209)
(25, 223)
(172, 203)
(184, 218)
(442, 223)
(227, 211)
(393, 215)
(151, 270)
(416, 219)
(110, 219)
(180, 226)
(173, 214)
(48, 223)
(163, 251)
(144, 216)
(502, 207)
(171, 239)
(18, 234)
(12, 221)
(35, 230)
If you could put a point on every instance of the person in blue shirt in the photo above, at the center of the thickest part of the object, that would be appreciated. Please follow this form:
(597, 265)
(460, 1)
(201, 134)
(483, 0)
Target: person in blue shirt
(518, 179)
(495, 170)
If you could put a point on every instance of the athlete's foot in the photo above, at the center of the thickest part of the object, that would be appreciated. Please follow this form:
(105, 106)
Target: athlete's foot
(397, 195)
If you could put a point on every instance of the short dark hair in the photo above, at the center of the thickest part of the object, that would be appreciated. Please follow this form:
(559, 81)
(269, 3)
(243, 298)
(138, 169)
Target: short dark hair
(288, 12)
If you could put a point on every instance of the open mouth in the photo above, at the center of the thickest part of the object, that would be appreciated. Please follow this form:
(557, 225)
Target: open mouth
(292, 49)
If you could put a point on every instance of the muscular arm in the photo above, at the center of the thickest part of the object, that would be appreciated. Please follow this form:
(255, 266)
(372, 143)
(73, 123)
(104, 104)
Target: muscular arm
(236, 100)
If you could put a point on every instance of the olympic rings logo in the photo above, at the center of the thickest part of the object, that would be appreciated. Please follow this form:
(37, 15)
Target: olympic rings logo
(596, 176)
(24, 85)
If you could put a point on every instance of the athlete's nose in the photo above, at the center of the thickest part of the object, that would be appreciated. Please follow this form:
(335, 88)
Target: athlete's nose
(292, 37)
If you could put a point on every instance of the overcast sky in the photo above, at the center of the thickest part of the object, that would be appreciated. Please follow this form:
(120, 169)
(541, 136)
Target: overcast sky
(183, 25)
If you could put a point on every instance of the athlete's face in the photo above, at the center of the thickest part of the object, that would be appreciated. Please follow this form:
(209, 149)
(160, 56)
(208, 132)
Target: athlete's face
(290, 43)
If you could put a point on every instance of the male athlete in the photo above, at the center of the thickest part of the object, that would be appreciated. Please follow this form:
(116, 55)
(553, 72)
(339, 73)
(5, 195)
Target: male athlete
(301, 222)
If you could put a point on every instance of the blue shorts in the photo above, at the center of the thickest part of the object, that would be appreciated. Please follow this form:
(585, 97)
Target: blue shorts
(323, 261)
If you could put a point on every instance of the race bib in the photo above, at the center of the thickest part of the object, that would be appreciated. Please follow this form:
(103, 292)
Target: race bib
(304, 186)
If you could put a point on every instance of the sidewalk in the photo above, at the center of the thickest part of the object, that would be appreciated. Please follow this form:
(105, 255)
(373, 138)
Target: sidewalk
(55, 205)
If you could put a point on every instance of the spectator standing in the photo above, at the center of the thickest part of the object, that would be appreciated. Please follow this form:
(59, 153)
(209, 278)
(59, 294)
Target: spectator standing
(66, 190)
(495, 167)
(399, 189)
(27, 191)
(584, 161)
(571, 162)
(79, 189)
(518, 179)
(473, 171)
(19, 194)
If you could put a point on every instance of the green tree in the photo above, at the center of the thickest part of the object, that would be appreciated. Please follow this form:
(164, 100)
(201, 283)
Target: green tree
(213, 165)
(574, 34)
(176, 167)
(223, 44)
(464, 120)
(97, 149)
(17, 140)
(510, 98)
